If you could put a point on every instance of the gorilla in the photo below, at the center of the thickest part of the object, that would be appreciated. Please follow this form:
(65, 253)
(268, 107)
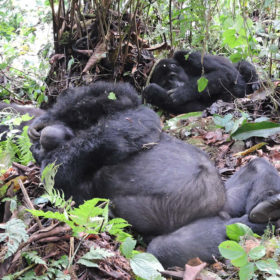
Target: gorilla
(174, 86)
(252, 198)
(108, 145)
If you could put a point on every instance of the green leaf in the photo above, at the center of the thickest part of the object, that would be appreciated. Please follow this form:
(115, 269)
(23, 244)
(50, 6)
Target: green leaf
(173, 123)
(231, 250)
(127, 247)
(246, 272)
(235, 57)
(257, 253)
(225, 121)
(95, 254)
(202, 83)
(146, 266)
(13, 236)
(260, 129)
(241, 261)
(269, 266)
(234, 231)
(112, 96)
(33, 257)
(70, 63)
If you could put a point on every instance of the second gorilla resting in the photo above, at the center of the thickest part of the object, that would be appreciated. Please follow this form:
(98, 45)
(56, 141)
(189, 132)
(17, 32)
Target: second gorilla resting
(174, 82)
(168, 190)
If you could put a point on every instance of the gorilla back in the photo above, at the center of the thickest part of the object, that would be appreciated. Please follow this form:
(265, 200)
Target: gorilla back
(119, 152)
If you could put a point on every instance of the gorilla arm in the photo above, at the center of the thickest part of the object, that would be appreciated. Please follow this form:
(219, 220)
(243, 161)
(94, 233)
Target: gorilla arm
(106, 143)
(79, 108)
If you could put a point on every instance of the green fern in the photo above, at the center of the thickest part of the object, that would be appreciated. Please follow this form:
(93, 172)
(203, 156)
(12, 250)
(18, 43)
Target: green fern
(8, 153)
(14, 235)
(23, 144)
(90, 217)
(15, 147)
(55, 196)
(32, 257)
(56, 270)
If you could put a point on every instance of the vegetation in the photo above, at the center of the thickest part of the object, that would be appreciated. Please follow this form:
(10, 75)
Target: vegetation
(48, 46)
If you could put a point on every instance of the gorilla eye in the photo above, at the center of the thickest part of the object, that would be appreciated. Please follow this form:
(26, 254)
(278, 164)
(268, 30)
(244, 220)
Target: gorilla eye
(173, 65)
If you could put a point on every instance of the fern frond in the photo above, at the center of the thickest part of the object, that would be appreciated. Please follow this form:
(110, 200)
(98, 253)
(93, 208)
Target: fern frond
(33, 257)
(14, 235)
(23, 144)
(8, 153)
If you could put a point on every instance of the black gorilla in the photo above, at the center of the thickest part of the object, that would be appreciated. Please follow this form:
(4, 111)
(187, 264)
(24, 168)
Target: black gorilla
(253, 190)
(115, 148)
(174, 82)
(17, 109)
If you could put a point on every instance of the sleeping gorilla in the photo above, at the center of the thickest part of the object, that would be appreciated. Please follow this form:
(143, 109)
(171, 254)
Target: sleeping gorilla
(174, 82)
(114, 148)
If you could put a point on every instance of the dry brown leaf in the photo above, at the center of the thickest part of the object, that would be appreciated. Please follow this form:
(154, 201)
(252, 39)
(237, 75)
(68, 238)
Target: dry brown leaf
(191, 272)
(250, 244)
(99, 52)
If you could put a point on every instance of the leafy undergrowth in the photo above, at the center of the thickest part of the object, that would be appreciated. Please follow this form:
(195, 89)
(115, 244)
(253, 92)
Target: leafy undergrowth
(233, 133)
(56, 240)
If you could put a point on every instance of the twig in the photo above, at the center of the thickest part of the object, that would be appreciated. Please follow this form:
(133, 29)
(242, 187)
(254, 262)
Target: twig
(28, 201)
(170, 23)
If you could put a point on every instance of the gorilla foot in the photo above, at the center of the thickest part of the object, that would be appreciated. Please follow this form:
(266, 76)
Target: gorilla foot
(266, 210)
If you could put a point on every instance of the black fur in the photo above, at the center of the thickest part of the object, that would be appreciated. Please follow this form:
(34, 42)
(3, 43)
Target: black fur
(256, 182)
(174, 82)
(163, 187)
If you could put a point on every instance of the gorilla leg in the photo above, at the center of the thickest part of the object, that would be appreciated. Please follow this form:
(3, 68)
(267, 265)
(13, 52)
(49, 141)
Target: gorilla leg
(253, 191)
(198, 239)
(258, 183)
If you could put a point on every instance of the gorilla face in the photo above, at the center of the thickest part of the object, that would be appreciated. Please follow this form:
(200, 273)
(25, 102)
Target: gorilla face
(172, 75)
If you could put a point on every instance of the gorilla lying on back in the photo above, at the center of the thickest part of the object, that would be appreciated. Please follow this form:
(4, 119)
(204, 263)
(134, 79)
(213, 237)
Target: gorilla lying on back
(108, 145)
(174, 82)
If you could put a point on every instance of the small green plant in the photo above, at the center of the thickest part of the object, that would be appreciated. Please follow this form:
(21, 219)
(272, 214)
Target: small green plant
(229, 123)
(15, 147)
(144, 265)
(91, 217)
(56, 269)
(13, 236)
(94, 255)
(53, 195)
(247, 262)
(241, 129)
